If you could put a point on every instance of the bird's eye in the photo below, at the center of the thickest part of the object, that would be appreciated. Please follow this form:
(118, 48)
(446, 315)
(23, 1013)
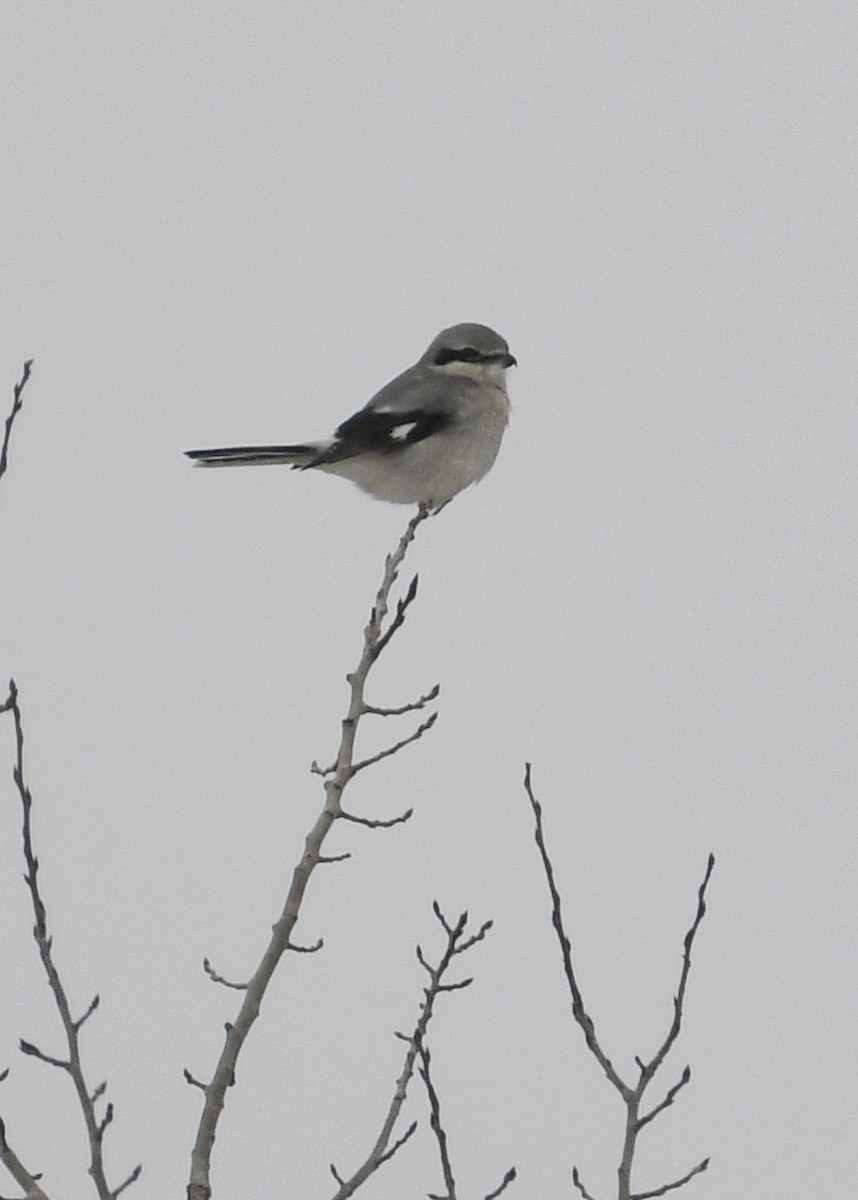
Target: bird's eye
(463, 354)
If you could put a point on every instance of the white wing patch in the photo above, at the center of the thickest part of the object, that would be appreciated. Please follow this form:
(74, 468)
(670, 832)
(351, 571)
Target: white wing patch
(400, 433)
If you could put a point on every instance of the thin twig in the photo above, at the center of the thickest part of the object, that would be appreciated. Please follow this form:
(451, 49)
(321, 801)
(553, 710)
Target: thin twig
(35, 1052)
(336, 778)
(398, 1144)
(13, 1164)
(437, 1127)
(673, 1033)
(399, 619)
(413, 737)
(578, 1010)
(316, 946)
(215, 978)
(73, 1066)
(668, 1100)
(93, 1005)
(368, 823)
(504, 1184)
(677, 1183)
(414, 706)
(579, 1183)
(478, 937)
(126, 1183)
(17, 405)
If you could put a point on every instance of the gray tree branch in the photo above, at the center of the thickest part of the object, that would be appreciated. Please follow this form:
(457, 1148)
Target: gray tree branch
(377, 635)
(17, 405)
(381, 1152)
(13, 1164)
(87, 1098)
(632, 1096)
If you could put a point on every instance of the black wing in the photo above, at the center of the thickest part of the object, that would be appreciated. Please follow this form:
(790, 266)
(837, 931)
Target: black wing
(382, 432)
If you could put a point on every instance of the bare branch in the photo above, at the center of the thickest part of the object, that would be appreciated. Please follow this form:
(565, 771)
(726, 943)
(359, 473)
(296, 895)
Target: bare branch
(35, 1052)
(576, 1179)
(379, 1152)
(93, 1005)
(73, 1065)
(437, 1127)
(673, 1033)
(578, 1010)
(398, 1144)
(677, 1183)
(105, 1121)
(668, 1100)
(336, 778)
(455, 987)
(399, 619)
(23, 1177)
(379, 824)
(442, 920)
(215, 978)
(504, 1184)
(415, 736)
(317, 945)
(132, 1178)
(478, 937)
(189, 1078)
(17, 405)
(415, 706)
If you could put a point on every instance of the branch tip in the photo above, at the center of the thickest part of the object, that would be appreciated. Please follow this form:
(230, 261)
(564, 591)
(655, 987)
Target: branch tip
(132, 1178)
(579, 1184)
(422, 728)
(216, 978)
(17, 405)
(317, 945)
(505, 1182)
(671, 1187)
(379, 824)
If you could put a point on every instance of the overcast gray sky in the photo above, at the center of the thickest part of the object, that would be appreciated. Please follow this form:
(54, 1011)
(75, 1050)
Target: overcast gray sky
(232, 223)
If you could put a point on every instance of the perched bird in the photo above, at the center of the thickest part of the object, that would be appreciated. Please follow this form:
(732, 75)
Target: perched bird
(432, 431)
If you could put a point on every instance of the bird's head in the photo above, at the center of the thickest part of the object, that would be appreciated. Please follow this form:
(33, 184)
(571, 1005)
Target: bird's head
(471, 350)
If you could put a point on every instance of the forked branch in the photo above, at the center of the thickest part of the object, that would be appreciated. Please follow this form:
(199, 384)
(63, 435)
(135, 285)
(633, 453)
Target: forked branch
(632, 1094)
(96, 1126)
(458, 942)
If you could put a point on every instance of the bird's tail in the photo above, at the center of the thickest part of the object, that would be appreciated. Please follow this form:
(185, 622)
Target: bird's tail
(238, 456)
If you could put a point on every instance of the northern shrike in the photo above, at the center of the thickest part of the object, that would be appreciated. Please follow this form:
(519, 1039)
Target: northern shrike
(432, 431)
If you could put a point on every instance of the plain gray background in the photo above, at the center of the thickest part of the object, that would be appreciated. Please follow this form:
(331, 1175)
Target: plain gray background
(227, 223)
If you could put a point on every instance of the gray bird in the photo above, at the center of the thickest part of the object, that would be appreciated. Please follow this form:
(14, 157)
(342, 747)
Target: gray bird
(432, 431)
